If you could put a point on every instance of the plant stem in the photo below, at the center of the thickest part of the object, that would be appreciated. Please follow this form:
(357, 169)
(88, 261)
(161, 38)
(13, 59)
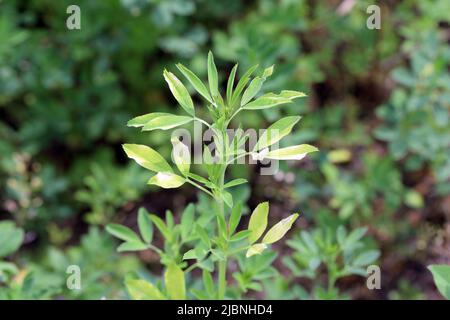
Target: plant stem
(200, 187)
(222, 264)
(222, 279)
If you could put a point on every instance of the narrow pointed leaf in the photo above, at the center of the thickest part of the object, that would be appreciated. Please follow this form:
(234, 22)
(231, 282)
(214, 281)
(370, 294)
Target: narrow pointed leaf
(252, 89)
(195, 81)
(234, 183)
(122, 232)
(212, 76)
(145, 225)
(279, 230)
(166, 122)
(235, 217)
(230, 83)
(268, 71)
(242, 83)
(180, 92)
(291, 94)
(141, 121)
(132, 246)
(291, 153)
(276, 132)
(266, 101)
(241, 235)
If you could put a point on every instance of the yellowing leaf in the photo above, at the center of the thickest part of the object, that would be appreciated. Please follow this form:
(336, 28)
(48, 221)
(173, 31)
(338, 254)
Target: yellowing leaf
(175, 283)
(143, 290)
(291, 153)
(180, 92)
(146, 157)
(279, 230)
(144, 119)
(255, 249)
(258, 221)
(276, 132)
(266, 101)
(167, 180)
(166, 122)
(181, 155)
(268, 71)
(291, 94)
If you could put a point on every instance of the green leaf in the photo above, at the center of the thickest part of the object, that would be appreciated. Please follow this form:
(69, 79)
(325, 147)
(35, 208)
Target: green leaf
(132, 246)
(353, 238)
(181, 155)
(366, 258)
(266, 101)
(279, 230)
(167, 180)
(159, 223)
(234, 183)
(252, 89)
(441, 276)
(258, 221)
(241, 235)
(143, 290)
(203, 235)
(166, 122)
(145, 225)
(276, 132)
(255, 249)
(227, 198)
(230, 83)
(291, 153)
(190, 255)
(235, 217)
(291, 94)
(195, 81)
(10, 238)
(212, 76)
(122, 232)
(175, 283)
(180, 92)
(147, 157)
(268, 71)
(187, 220)
(242, 83)
(144, 119)
(208, 283)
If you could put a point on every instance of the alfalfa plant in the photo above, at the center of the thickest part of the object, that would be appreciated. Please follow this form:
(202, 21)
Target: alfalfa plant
(211, 246)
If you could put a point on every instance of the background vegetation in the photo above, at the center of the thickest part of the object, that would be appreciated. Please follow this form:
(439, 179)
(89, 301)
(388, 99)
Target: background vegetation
(378, 108)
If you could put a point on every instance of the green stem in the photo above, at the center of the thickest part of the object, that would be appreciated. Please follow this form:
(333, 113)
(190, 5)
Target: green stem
(222, 264)
(200, 187)
(222, 279)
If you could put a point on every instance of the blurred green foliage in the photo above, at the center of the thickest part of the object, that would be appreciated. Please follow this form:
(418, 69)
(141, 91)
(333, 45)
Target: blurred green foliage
(378, 107)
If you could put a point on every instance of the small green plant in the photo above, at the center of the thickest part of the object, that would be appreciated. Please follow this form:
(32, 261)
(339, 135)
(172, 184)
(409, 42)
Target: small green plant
(416, 119)
(210, 245)
(11, 239)
(341, 253)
